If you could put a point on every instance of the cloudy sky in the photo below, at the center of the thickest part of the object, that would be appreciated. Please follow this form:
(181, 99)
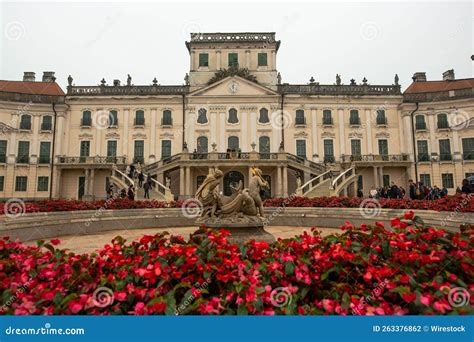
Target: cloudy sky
(92, 40)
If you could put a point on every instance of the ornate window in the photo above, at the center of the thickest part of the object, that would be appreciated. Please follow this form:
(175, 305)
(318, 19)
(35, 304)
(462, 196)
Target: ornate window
(467, 148)
(86, 120)
(301, 148)
(23, 156)
(203, 60)
(422, 149)
(167, 119)
(43, 183)
(3, 151)
(111, 150)
(47, 123)
(139, 118)
(354, 117)
(443, 120)
(263, 117)
(21, 183)
(25, 121)
(233, 119)
(327, 117)
(328, 151)
(44, 152)
(381, 118)
(264, 147)
(139, 151)
(233, 60)
(445, 150)
(262, 59)
(299, 118)
(420, 122)
(202, 145)
(233, 142)
(448, 180)
(113, 118)
(202, 116)
(165, 149)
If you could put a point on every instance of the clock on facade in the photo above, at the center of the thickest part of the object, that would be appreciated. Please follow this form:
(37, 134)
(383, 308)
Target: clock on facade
(233, 87)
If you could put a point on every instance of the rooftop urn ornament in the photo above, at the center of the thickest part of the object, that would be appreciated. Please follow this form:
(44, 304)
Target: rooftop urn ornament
(353, 81)
(69, 80)
(338, 79)
(102, 82)
(396, 79)
(364, 81)
(129, 80)
(185, 147)
(253, 145)
(312, 80)
(214, 147)
(186, 79)
(155, 82)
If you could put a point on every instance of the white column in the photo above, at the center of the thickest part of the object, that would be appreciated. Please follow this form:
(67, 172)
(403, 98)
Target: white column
(213, 129)
(253, 128)
(153, 136)
(315, 135)
(181, 182)
(11, 149)
(218, 59)
(285, 181)
(125, 138)
(434, 146)
(376, 177)
(193, 62)
(98, 135)
(342, 138)
(244, 146)
(407, 135)
(191, 134)
(59, 135)
(222, 146)
(401, 134)
(273, 66)
(91, 183)
(368, 124)
(247, 59)
(279, 182)
(35, 142)
(188, 181)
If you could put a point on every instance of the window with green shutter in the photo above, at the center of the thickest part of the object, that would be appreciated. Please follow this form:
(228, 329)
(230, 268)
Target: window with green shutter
(203, 60)
(84, 150)
(43, 183)
(301, 148)
(86, 120)
(25, 122)
(2, 183)
(165, 149)
(356, 148)
(468, 148)
(425, 178)
(383, 147)
(354, 117)
(233, 143)
(45, 152)
(262, 59)
(167, 119)
(233, 60)
(139, 151)
(445, 150)
(299, 118)
(111, 150)
(139, 118)
(443, 121)
(23, 156)
(447, 180)
(422, 149)
(328, 151)
(47, 123)
(381, 118)
(3, 151)
(327, 117)
(21, 183)
(113, 118)
(420, 123)
(386, 180)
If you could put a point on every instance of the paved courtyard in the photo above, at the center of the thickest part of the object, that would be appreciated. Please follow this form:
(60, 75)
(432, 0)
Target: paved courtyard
(90, 243)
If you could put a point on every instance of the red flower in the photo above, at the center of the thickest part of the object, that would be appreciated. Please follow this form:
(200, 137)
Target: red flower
(408, 215)
(55, 242)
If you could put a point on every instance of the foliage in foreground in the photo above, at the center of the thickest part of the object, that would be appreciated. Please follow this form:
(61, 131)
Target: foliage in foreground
(405, 269)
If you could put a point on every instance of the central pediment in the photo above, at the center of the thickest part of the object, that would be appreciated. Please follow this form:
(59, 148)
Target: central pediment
(234, 86)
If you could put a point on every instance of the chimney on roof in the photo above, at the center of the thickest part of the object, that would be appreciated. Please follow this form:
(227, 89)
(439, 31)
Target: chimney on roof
(48, 76)
(448, 75)
(419, 77)
(28, 76)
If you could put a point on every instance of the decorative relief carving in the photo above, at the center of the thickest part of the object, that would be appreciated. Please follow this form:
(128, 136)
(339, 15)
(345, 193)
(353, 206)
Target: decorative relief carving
(86, 136)
(167, 135)
(382, 135)
(355, 134)
(112, 135)
(138, 135)
(248, 108)
(217, 108)
(327, 134)
(301, 134)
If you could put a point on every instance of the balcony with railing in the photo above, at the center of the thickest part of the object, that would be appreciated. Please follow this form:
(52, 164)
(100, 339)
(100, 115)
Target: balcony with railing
(445, 157)
(44, 160)
(368, 159)
(3, 158)
(86, 122)
(340, 89)
(23, 160)
(328, 121)
(381, 121)
(98, 161)
(468, 155)
(126, 90)
(420, 126)
(423, 157)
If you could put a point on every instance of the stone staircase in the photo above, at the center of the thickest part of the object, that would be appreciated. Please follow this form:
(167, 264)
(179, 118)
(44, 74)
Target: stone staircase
(328, 184)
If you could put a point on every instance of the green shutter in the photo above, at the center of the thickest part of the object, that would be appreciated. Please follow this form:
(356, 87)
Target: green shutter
(3, 151)
(233, 59)
(21, 183)
(203, 60)
(45, 152)
(356, 147)
(165, 149)
(2, 183)
(301, 148)
(139, 151)
(43, 183)
(262, 59)
(23, 151)
(85, 148)
(383, 147)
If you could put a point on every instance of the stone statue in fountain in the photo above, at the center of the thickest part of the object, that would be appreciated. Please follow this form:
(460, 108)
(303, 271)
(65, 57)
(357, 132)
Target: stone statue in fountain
(243, 208)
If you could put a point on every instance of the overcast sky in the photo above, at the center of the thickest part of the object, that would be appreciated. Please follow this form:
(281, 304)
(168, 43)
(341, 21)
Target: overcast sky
(376, 40)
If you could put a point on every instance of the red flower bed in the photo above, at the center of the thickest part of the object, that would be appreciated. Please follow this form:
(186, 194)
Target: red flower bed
(407, 269)
(450, 203)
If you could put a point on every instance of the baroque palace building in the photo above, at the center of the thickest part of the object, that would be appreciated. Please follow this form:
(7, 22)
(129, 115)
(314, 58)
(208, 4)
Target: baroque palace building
(233, 112)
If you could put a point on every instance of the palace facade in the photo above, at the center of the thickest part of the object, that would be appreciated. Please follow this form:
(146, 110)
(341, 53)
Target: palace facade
(233, 112)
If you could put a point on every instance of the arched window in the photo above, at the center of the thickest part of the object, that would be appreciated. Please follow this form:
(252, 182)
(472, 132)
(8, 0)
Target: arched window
(202, 116)
(113, 118)
(202, 145)
(381, 118)
(47, 123)
(420, 122)
(233, 143)
(299, 118)
(327, 117)
(263, 118)
(139, 118)
(86, 118)
(232, 116)
(264, 147)
(354, 117)
(167, 119)
(443, 120)
(25, 121)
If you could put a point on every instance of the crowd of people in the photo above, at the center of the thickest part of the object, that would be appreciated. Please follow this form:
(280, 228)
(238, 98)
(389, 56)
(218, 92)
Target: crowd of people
(416, 191)
(135, 173)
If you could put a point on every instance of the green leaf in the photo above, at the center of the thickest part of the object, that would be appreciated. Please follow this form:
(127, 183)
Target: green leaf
(170, 303)
(68, 298)
(289, 268)
(346, 300)
(242, 310)
(386, 249)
